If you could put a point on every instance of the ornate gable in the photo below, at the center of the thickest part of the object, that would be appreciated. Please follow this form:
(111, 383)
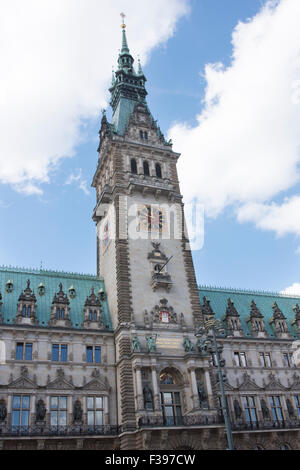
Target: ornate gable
(274, 384)
(60, 383)
(254, 311)
(23, 382)
(296, 384)
(248, 385)
(97, 383)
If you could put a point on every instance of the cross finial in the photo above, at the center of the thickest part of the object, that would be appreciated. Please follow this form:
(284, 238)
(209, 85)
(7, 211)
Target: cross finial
(123, 16)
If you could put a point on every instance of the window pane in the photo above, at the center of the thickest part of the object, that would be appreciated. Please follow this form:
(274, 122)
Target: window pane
(15, 418)
(99, 418)
(55, 352)
(25, 402)
(268, 360)
(237, 359)
(247, 415)
(253, 415)
(168, 398)
(28, 352)
(243, 360)
(25, 418)
(19, 352)
(63, 403)
(169, 410)
(64, 353)
(53, 418)
(90, 417)
(99, 403)
(177, 398)
(89, 354)
(16, 402)
(62, 418)
(97, 355)
(90, 403)
(54, 403)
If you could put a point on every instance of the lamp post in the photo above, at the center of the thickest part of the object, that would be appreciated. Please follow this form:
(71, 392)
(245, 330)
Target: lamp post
(208, 334)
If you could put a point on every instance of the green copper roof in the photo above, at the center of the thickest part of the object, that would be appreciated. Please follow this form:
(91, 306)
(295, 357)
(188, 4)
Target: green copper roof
(125, 48)
(218, 298)
(50, 280)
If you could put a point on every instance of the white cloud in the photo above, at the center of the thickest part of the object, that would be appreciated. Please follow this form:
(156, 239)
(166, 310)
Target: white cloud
(245, 148)
(56, 60)
(78, 178)
(294, 289)
(281, 218)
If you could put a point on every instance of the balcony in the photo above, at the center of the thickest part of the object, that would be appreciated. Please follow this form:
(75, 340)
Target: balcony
(266, 425)
(62, 431)
(179, 421)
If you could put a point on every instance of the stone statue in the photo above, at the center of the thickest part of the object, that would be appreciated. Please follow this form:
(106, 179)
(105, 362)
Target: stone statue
(40, 411)
(151, 343)
(201, 345)
(237, 409)
(290, 408)
(202, 393)
(148, 397)
(265, 410)
(188, 345)
(3, 410)
(77, 411)
(135, 344)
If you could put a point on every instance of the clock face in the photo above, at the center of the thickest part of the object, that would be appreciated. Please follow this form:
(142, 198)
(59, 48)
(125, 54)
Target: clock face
(151, 219)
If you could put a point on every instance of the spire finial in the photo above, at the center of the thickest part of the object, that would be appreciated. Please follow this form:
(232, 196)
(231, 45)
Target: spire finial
(123, 16)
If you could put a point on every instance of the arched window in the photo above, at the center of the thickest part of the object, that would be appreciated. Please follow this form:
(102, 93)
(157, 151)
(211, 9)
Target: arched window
(146, 135)
(62, 313)
(28, 311)
(90, 315)
(95, 315)
(170, 393)
(24, 311)
(133, 166)
(58, 313)
(146, 169)
(158, 170)
(141, 135)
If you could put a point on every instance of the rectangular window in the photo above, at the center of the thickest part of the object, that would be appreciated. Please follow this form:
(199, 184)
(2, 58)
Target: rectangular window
(171, 407)
(93, 354)
(297, 403)
(276, 408)
(240, 359)
(58, 411)
(59, 353)
(20, 411)
(265, 359)
(288, 359)
(95, 411)
(250, 411)
(24, 352)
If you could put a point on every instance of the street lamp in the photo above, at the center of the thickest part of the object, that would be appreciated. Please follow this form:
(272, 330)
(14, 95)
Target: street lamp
(207, 333)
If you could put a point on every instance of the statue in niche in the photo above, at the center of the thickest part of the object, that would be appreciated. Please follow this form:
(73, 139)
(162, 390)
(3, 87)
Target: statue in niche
(148, 398)
(77, 411)
(265, 409)
(3, 410)
(188, 345)
(151, 343)
(135, 344)
(237, 409)
(202, 394)
(290, 408)
(201, 345)
(40, 411)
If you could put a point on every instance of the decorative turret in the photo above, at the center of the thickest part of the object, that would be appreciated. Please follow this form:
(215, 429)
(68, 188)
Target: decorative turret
(232, 319)
(278, 322)
(296, 321)
(26, 307)
(60, 311)
(256, 321)
(92, 312)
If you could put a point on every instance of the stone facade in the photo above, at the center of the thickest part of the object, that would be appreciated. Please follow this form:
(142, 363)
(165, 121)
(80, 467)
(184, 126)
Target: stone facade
(112, 361)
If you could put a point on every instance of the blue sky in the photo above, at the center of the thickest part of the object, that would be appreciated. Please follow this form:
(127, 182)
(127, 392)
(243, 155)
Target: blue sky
(53, 224)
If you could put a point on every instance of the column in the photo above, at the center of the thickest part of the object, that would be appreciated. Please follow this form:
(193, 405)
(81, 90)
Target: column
(106, 411)
(155, 389)
(195, 397)
(139, 390)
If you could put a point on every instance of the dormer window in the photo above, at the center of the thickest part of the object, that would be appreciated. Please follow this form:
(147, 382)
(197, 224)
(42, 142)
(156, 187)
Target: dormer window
(9, 287)
(92, 312)
(60, 312)
(72, 292)
(26, 307)
(41, 290)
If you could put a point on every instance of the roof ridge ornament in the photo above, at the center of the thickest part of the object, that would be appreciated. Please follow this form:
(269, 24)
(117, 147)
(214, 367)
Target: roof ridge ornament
(123, 16)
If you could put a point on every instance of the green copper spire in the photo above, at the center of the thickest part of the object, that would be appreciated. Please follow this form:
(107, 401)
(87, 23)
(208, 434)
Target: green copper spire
(140, 71)
(127, 88)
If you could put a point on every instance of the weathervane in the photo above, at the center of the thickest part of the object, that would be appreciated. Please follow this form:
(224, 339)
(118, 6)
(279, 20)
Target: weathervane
(123, 16)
